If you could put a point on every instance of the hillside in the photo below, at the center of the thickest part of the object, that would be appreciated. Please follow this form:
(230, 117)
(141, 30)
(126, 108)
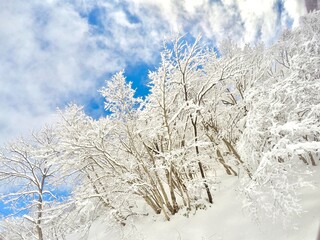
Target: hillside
(225, 220)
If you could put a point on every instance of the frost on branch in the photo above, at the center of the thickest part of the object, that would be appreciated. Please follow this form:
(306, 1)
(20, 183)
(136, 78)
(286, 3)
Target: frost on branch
(28, 167)
(281, 138)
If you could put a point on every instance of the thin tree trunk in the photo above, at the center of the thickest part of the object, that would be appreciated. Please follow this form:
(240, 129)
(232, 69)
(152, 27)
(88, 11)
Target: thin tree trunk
(39, 231)
(303, 159)
(313, 162)
(185, 190)
(235, 153)
(228, 168)
(194, 124)
(40, 209)
(173, 196)
(153, 204)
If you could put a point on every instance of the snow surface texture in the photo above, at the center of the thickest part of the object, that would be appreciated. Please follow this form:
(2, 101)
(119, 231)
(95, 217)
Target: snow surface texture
(224, 220)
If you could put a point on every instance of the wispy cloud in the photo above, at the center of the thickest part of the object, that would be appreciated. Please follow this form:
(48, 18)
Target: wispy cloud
(56, 51)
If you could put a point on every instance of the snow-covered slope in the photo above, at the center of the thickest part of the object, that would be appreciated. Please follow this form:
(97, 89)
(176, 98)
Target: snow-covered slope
(224, 220)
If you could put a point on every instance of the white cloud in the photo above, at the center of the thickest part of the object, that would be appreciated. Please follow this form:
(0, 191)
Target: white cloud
(50, 54)
(193, 6)
(244, 21)
(295, 9)
(259, 18)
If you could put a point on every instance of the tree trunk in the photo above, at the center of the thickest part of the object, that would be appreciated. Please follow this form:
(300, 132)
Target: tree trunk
(195, 130)
(228, 168)
(39, 215)
(235, 153)
(39, 231)
(313, 162)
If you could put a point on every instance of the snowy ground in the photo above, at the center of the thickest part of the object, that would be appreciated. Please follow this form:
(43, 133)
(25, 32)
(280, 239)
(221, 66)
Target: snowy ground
(225, 220)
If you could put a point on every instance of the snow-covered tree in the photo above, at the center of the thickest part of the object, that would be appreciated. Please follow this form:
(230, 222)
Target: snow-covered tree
(281, 138)
(26, 167)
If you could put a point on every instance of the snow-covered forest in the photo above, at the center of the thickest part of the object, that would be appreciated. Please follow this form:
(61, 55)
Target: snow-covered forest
(250, 113)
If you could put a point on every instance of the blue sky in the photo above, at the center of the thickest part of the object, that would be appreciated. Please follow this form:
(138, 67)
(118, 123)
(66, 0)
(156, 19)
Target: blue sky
(53, 52)
(9, 209)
